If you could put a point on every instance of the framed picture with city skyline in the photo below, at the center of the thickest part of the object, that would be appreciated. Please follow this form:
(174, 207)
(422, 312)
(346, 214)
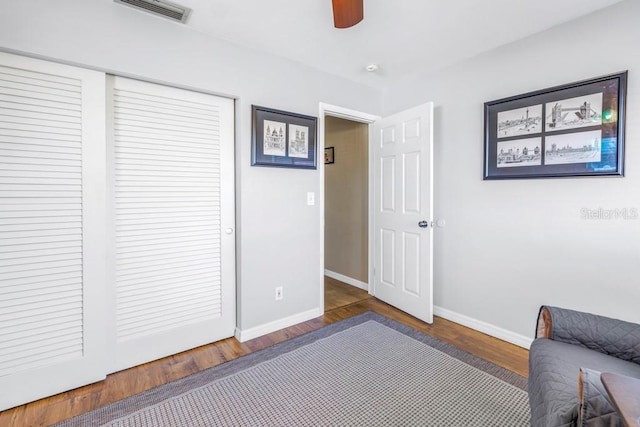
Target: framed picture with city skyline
(282, 139)
(570, 130)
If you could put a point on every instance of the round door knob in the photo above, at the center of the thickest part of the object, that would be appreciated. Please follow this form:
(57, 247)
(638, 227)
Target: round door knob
(423, 224)
(229, 230)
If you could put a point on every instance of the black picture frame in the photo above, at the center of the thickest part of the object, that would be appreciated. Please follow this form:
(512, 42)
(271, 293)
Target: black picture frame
(564, 131)
(282, 139)
(329, 156)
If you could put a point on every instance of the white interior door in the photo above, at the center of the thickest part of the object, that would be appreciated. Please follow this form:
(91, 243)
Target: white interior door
(172, 171)
(52, 229)
(403, 201)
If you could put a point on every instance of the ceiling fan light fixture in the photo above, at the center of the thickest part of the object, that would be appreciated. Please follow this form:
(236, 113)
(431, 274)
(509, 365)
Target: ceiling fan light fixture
(347, 13)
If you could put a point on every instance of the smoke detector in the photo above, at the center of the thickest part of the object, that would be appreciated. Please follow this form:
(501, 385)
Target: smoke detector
(162, 8)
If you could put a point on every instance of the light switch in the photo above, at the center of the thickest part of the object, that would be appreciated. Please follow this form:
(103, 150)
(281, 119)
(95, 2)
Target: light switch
(311, 198)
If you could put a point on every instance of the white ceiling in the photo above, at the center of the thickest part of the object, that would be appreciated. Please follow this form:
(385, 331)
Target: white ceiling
(403, 36)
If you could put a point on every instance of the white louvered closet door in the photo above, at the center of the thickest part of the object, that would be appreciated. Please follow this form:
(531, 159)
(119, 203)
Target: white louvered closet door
(52, 229)
(173, 219)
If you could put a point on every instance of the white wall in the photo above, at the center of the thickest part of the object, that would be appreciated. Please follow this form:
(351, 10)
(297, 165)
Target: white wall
(510, 246)
(278, 234)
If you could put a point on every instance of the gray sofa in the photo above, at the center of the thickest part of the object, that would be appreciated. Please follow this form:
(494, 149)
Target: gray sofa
(570, 351)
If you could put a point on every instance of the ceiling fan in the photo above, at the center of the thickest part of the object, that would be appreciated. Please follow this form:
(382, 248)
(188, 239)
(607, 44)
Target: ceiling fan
(347, 13)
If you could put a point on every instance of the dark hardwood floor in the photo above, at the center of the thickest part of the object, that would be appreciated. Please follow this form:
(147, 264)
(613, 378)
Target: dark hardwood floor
(338, 294)
(341, 301)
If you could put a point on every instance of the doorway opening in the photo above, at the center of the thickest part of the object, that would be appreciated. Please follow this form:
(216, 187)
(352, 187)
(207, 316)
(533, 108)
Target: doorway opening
(346, 175)
(346, 208)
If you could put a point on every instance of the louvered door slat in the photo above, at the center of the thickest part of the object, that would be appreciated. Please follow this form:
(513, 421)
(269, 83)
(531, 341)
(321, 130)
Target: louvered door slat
(149, 271)
(166, 105)
(24, 252)
(185, 275)
(169, 181)
(37, 78)
(50, 333)
(53, 116)
(140, 289)
(49, 115)
(33, 107)
(46, 146)
(167, 148)
(38, 103)
(45, 323)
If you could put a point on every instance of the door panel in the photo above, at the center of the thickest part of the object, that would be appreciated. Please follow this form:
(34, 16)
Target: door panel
(52, 215)
(411, 257)
(388, 178)
(403, 189)
(411, 180)
(172, 212)
(387, 255)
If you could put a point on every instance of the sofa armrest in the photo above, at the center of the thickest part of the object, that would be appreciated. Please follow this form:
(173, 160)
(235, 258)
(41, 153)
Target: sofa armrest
(544, 324)
(609, 336)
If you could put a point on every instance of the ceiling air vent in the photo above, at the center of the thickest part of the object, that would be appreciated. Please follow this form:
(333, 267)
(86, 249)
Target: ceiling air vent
(159, 7)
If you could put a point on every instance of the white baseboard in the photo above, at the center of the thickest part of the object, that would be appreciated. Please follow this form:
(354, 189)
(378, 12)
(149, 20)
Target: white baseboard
(267, 328)
(347, 280)
(487, 328)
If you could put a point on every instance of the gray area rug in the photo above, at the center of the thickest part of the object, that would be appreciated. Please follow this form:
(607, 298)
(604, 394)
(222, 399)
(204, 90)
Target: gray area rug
(363, 371)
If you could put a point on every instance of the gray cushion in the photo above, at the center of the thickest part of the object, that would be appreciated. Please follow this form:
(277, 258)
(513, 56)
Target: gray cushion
(553, 380)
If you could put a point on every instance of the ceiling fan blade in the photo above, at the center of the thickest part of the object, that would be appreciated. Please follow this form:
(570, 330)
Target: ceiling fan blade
(347, 13)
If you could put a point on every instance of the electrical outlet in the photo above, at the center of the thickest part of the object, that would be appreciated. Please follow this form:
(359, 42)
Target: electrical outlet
(278, 293)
